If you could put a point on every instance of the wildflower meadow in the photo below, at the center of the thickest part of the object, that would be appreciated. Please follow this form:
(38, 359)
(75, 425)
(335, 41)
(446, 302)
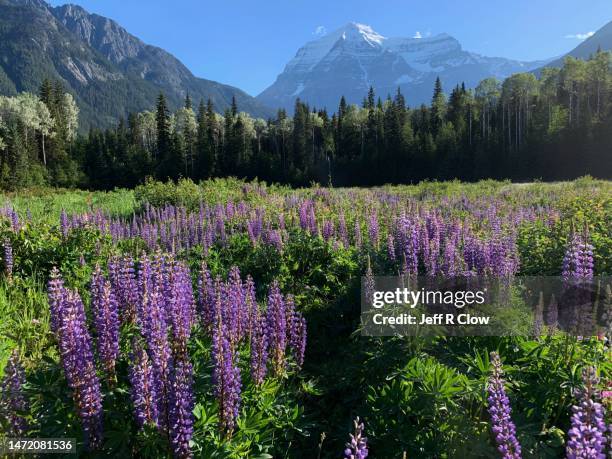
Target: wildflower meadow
(222, 320)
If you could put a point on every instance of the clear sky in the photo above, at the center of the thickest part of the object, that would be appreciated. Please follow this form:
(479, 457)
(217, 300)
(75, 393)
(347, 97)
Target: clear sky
(246, 43)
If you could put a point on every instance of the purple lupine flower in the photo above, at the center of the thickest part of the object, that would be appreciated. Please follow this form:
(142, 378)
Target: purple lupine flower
(408, 240)
(144, 289)
(305, 215)
(64, 224)
(328, 230)
(181, 303)
(499, 408)
(357, 448)
(251, 311)
(8, 258)
(391, 247)
(587, 435)
(235, 308)
(106, 320)
(578, 260)
(296, 331)
(206, 296)
(226, 374)
(274, 238)
(552, 314)
(373, 229)
(79, 367)
(342, 231)
(577, 270)
(156, 336)
(357, 235)
(538, 317)
(123, 279)
(56, 295)
(451, 267)
(259, 349)
(12, 398)
(430, 240)
(276, 328)
(181, 406)
(297, 339)
(369, 285)
(142, 391)
(312, 221)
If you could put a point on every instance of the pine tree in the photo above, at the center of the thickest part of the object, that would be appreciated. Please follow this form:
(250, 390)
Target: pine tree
(162, 119)
(438, 107)
(234, 108)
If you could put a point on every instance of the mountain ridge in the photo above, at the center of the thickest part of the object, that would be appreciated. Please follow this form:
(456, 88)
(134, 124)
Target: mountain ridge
(109, 71)
(601, 38)
(350, 59)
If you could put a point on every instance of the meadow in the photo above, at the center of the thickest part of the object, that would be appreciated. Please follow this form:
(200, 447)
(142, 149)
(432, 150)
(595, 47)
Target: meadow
(222, 320)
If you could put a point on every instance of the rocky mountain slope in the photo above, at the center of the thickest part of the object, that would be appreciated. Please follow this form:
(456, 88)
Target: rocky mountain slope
(602, 39)
(109, 71)
(351, 59)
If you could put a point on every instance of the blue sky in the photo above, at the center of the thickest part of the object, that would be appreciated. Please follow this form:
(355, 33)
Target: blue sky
(246, 43)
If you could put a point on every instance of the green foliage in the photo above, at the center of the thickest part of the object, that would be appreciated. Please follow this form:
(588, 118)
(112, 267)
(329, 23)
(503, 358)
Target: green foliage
(523, 128)
(423, 396)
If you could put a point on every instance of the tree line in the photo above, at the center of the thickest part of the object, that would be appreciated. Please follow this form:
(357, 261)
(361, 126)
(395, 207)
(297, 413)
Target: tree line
(554, 126)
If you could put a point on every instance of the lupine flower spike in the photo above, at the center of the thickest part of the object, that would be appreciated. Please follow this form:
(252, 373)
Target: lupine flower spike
(587, 436)
(499, 408)
(357, 448)
(12, 399)
(8, 258)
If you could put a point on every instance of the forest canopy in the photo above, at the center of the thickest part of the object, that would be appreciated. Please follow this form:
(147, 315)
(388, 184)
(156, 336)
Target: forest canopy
(552, 126)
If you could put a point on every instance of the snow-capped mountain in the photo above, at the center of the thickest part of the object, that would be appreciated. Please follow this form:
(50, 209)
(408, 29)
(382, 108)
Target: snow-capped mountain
(351, 59)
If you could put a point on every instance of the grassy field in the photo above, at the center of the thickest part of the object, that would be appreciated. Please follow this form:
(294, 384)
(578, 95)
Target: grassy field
(302, 250)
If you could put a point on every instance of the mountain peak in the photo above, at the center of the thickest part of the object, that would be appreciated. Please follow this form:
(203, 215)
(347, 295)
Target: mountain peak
(356, 30)
(355, 57)
(30, 3)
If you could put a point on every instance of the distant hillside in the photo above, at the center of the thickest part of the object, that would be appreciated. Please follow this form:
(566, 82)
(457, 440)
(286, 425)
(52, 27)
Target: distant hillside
(600, 39)
(109, 71)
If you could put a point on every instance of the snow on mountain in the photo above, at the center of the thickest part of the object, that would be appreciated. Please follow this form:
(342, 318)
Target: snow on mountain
(354, 57)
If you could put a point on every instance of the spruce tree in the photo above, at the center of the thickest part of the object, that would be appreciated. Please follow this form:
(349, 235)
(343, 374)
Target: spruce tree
(162, 119)
(438, 107)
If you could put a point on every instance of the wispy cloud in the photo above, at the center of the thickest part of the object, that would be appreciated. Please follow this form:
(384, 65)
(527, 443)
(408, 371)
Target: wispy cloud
(580, 36)
(320, 31)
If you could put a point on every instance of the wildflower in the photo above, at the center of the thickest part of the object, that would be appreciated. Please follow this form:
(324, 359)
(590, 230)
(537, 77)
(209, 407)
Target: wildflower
(357, 448)
(79, 367)
(104, 307)
(297, 341)
(552, 314)
(373, 229)
(578, 260)
(181, 407)
(123, 280)
(499, 408)
(391, 247)
(206, 296)
(56, 294)
(587, 435)
(156, 336)
(276, 323)
(12, 399)
(8, 258)
(259, 349)
(226, 374)
(142, 391)
(64, 224)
